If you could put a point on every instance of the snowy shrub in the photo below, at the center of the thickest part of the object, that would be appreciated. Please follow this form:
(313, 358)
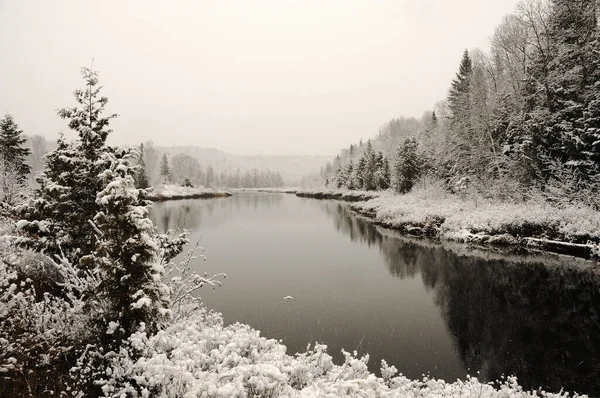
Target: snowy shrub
(39, 331)
(199, 356)
(183, 283)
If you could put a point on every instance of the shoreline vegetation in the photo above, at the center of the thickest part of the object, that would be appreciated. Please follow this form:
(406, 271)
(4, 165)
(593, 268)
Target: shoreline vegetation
(433, 213)
(174, 192)
(534, 226)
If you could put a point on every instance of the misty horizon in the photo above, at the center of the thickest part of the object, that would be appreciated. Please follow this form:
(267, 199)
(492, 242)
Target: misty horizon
(270, 79)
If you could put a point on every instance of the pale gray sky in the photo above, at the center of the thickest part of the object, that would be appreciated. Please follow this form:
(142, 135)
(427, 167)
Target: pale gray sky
(246, 77)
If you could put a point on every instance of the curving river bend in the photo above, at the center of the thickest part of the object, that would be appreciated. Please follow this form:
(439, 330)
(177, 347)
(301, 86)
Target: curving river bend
(426, 308)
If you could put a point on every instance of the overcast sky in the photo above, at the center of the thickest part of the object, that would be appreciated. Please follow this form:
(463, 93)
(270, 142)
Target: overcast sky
(246, 77)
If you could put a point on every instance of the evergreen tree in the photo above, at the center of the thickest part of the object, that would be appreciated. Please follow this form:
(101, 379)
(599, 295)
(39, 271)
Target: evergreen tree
(141, 178)
(70, 180)
(458, 96)
(385, 181)
(350, 180)
(460, 126)
(126, 252)
(87, 208)
(341, 179)
(165, 170)
(382, 173)
(574, 79)
(210, 178)
(367, 168)
(12, 151)
(359, 173)
(434, 120)
(407, 166)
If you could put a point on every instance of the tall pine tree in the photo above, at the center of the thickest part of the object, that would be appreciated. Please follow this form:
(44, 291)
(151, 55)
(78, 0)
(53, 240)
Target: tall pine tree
(13, 165)
(164, 169)
(58, 217)
(141, 177)
(12, 149)
(460, 127)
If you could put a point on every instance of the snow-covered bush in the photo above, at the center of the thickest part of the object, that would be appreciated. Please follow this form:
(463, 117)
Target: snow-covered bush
(39, 330)
(198, 356)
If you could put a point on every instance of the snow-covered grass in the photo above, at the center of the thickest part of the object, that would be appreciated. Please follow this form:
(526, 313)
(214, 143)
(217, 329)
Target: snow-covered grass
(339, 194)
(436, 212)
(173, 192)
(269, 190)
(198, 356)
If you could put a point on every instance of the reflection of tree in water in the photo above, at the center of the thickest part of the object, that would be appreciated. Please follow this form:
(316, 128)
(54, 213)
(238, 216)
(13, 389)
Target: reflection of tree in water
(179, 214)
(538, 322)
(400, 261)
(189, 213)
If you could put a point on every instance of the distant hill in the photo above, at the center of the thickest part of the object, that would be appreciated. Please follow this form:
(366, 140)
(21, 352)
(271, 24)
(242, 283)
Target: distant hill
(291, 167)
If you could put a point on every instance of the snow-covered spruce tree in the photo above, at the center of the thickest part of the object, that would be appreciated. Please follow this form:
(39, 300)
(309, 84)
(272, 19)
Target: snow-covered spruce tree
(164, 170)
(359, 173)
(88, 208)
(382, 173)
(12, 149)
(368, 172)
(126, 251)
(574, 82)
(341, 178)
(56, 219)
(350, 175)
(141, 177)
(459, 126)
(13, 159)
(407, 166)
(561, 91)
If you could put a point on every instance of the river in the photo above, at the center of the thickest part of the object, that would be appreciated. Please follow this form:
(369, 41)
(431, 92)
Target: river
(426, 308)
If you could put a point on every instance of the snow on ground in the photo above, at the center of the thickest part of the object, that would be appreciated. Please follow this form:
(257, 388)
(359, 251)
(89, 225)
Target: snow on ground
(199, 356)
(463, 218)
(341, 194)
(468, 218)
(269, 190)
(168, 192)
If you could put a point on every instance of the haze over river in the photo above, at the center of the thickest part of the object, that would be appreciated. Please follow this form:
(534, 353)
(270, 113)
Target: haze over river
(424, 307)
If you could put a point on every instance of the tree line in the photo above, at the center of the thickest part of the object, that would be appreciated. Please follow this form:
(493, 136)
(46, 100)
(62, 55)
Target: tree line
(185, 170)
(525, 115)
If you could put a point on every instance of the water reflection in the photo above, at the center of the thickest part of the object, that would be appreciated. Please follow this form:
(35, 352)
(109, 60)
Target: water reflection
(178, 214)
(424, 307)
(525, 318)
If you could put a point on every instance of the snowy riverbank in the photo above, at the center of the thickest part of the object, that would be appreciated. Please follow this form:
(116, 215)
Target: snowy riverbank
(174, 192)
(338, 194)
(199, 356)
(268, 190)
(434, 213)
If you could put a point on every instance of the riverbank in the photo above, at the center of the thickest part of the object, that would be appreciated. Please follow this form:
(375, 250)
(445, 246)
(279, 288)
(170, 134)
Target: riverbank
(339, 194)
(434, 213)
(175, 192)
(268, 190)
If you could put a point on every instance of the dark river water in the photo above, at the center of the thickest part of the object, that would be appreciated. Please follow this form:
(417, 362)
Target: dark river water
(426, 308)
